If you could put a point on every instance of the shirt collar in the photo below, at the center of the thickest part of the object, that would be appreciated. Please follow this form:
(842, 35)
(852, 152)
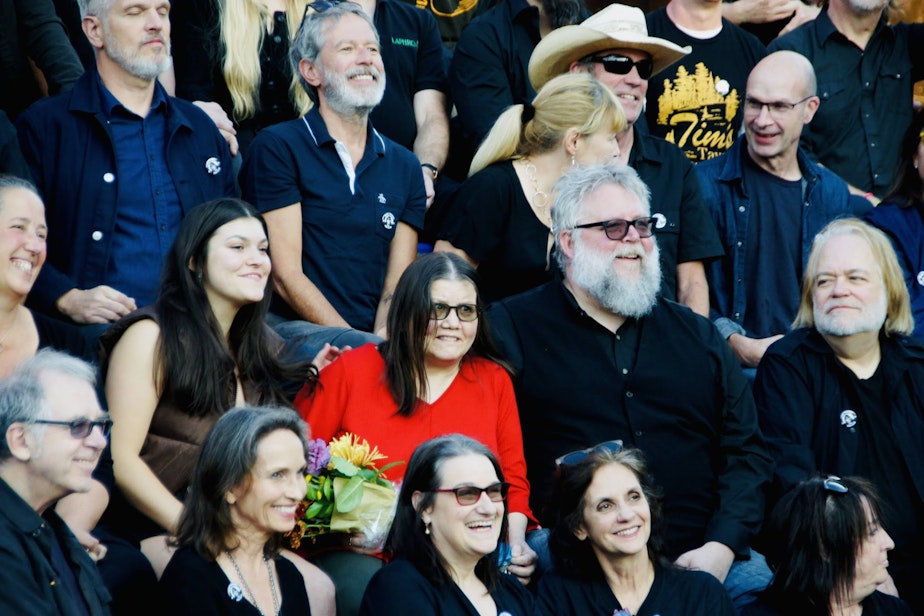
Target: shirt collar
(110, 103)
(825, 28)
(23, 517)
(317, 129)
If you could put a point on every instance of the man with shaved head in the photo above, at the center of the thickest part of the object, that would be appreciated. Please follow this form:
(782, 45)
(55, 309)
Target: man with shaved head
(768, 201)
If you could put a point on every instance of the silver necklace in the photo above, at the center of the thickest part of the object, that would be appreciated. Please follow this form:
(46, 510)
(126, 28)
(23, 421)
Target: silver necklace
(234, 591)
(540, 197)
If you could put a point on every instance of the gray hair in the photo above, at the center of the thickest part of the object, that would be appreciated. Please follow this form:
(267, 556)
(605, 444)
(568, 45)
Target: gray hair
(96, 8)
(311, 36)
(9, 182)
(573, 187)
(22, 395)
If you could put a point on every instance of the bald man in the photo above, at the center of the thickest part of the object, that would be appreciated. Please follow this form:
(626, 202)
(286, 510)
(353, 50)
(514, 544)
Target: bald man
(768, 201)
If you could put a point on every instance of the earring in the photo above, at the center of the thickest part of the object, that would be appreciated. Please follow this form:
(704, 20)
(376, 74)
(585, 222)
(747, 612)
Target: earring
(426, 527)
(573, 161)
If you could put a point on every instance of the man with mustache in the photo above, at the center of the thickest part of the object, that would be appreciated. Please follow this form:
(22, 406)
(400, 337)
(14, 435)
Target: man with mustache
(489, 65)
(53, 435)
(843, 393)
(866, 70)
(599, 356)
(118, 163)
(768, 201)
(342, 202)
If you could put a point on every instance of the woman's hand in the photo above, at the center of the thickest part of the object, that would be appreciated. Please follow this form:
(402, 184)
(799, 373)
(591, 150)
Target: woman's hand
(522, 562)
(327, 355)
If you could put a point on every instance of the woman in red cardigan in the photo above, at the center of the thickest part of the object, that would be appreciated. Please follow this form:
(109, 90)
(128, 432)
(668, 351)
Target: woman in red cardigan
(438, 373)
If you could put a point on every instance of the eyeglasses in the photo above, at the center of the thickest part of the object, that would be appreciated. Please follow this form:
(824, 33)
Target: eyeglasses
(469, 495)
(617, 228)
(578, 456)
(465, 312)
(833, 484)
(80, 428)
(622, 65)
(777, 109)
(319, 6)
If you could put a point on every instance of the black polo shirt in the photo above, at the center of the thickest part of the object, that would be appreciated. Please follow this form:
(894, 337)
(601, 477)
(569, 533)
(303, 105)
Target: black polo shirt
(412, 53)
(866, 97)
(666, 383)
(489, 66)
(689, 233)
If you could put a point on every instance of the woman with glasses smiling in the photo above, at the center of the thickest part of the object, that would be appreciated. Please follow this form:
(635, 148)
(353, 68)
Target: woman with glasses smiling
(829, 553)
(444, 541)
(606, 544)
(437, 373)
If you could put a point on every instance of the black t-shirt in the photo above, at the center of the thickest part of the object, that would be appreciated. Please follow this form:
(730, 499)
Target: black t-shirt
(774, 251)
(697, 103)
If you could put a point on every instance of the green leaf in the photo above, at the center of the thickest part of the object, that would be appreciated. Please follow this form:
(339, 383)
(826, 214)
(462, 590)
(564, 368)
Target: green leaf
(390, 465)
(313, 510)
(367, 474)
(327, 490)
(350, 496)
(327, 511)
(344, 467)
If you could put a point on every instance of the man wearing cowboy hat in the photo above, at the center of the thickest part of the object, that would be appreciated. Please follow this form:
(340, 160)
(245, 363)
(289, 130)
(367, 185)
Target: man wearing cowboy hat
(698, 103)
(614, 46)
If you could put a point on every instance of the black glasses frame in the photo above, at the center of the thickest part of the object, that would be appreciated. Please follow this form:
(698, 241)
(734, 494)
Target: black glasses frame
(464, 312)
(80, 428)
(618, 228)
(469, 495)
(580, 455)
(619, 64)
(775, 108)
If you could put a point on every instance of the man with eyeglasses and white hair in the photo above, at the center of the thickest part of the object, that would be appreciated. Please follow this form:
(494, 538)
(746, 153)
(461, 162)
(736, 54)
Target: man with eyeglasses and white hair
(768, 201)
(598, 355)
(53, 435)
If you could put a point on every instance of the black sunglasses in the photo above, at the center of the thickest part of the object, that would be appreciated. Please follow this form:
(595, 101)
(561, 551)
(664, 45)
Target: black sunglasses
(319, 6)
(469, 495)
(619, 64)
(579, 456)
(80, 428)
(617, 228)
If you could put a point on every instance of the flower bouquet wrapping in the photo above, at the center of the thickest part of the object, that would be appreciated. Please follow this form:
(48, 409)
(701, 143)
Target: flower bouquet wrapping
(346, 492)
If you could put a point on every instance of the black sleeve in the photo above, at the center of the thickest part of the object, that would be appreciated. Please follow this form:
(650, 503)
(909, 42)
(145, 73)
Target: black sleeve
(478, 216)
(194, 38)
(47, 44)
(11, 158)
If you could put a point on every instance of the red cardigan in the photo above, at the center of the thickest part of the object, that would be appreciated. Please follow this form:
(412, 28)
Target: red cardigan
(352, 396)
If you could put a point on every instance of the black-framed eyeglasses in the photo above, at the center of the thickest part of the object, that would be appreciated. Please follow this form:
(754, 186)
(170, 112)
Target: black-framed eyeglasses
(776, 108)
(80, 428)
(465, 312)
(833, 484)
(619, 64)
(618, 228)
(469, 495)
(578, 456)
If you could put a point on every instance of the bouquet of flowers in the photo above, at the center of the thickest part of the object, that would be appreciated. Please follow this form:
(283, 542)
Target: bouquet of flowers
(346, 492)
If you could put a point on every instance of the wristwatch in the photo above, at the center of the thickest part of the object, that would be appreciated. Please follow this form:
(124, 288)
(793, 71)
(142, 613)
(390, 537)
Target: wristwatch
(432, 168)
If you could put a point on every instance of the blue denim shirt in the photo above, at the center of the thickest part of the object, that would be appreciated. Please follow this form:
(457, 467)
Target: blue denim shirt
(825, 197)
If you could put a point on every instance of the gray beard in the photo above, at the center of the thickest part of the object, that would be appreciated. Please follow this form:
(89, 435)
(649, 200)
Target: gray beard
(871, 320)
(346, 102)
(594, 274)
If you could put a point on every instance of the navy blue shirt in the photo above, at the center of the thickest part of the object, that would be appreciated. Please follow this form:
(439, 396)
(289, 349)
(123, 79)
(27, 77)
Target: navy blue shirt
(148, 217)
(347, 223)
(866, 97)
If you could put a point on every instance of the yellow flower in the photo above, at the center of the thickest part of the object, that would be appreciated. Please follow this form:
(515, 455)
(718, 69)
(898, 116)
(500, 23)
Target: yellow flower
(351, 449)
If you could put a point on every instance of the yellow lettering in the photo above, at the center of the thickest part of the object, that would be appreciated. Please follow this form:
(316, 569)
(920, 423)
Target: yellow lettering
(680, 118)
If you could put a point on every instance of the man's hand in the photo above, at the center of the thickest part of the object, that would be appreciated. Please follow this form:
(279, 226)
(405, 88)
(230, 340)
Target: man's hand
(759, 11)
(522, 562)
(805, 13)
(327, 355)
(100, 304)
(428, 186)
(222, 122)
(95, 549)
(749, 351)
(713, 557)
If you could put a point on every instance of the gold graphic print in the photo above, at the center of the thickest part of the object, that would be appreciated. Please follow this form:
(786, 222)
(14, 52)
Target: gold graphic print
(447, 9)
(697, 111)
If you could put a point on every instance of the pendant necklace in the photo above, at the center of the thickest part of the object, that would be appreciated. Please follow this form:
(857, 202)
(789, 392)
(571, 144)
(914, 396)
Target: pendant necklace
(540, 197)
(235, 592)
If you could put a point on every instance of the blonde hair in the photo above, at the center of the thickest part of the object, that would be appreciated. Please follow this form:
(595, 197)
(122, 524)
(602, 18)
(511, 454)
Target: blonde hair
(242, 28)
(899, 318)
(568, 101)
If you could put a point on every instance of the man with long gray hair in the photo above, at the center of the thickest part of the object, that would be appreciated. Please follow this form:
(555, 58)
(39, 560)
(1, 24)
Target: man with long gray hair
(599, 356)
(53, 435)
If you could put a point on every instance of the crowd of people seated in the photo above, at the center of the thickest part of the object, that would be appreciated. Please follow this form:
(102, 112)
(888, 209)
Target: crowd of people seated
(633, 298)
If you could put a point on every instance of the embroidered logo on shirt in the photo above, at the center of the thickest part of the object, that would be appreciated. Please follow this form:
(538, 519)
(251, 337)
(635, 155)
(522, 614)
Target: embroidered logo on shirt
(848, 419)
(382, 198)
(213, 166)
(921, 278)
(404, 42)
(388, 220)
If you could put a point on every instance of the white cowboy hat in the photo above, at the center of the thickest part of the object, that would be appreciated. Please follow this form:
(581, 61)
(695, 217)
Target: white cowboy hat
(615, 27)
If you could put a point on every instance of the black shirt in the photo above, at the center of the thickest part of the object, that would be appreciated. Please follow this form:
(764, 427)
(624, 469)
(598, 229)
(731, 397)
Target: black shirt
(865, 97)
(413, 57)
(682, 400)
(698, 102)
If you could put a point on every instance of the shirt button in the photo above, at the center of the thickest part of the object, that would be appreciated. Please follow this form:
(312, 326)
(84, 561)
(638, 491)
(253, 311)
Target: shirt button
(629, 394)
(625, 371)
(163, 227)
(638, 433)
(277, 39)
(97, 236)
(109, 178)
(740, 208)
(272, 83)
(866, 84)
(737, 315)
(740, 244)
